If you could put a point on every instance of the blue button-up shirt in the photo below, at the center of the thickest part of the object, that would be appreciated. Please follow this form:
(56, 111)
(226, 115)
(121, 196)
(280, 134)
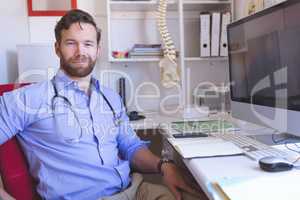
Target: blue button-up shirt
(75, 147)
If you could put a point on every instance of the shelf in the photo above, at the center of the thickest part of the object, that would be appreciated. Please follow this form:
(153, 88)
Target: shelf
(209, 5)
(189, 59)
(139, 5)
(122, 60)
(210, 59)
(186, 2)
(172, 5)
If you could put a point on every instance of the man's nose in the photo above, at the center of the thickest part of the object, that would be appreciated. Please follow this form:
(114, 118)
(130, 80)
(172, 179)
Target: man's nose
(80, 49)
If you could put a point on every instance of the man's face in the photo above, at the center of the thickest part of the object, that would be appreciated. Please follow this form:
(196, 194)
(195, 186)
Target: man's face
(78, 49)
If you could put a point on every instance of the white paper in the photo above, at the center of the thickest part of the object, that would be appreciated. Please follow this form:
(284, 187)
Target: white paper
(207, 147)
(280, 186)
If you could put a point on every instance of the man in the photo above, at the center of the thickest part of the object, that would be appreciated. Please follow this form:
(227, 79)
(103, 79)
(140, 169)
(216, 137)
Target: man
(75, 133)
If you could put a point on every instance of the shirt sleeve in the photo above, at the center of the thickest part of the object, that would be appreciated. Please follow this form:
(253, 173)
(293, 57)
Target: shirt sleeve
(129, 143)
(12, 114)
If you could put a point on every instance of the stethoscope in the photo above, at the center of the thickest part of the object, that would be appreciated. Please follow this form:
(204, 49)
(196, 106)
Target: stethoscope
(116, 118)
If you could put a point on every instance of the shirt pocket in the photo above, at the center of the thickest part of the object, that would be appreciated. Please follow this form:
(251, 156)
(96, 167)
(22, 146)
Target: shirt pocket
(59, 124)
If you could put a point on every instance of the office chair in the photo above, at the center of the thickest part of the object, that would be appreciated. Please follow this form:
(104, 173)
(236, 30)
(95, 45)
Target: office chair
(13, 165)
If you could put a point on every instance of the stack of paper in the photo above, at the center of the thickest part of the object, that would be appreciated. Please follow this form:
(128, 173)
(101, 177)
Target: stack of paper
(281, 186)
(204, 147)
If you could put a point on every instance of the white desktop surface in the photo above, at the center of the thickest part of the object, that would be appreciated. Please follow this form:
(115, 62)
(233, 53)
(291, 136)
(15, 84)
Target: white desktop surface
(207, 171)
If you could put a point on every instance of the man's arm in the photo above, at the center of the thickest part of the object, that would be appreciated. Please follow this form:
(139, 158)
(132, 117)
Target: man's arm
(133, 149)
(145, 161)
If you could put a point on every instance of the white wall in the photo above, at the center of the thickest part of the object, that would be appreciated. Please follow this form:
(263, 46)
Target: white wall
(51, 4)
(41, 29)
(14, 30)
(18, 28)
(239, 8)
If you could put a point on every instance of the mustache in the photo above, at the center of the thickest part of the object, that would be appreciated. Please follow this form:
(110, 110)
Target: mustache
(79, 58)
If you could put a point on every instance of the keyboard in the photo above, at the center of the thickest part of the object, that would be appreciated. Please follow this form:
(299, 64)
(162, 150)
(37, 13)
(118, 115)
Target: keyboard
(252, 148)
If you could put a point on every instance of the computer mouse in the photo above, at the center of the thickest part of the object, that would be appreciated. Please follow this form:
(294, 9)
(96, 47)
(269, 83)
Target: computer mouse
(275, 164)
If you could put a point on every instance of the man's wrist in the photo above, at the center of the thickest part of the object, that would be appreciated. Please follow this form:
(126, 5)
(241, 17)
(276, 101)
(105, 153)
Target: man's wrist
(161, 163)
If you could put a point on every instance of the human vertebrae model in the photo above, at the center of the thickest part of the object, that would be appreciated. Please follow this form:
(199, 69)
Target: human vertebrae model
(169, 70)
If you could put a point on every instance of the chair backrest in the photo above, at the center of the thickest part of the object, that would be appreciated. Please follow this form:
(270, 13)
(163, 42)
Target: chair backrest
(14, 171)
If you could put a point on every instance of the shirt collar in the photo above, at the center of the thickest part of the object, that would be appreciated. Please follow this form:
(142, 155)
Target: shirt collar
(62, 81)
(95, 84)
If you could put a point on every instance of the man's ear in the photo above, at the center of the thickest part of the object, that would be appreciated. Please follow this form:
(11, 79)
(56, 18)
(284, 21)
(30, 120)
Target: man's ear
(98, 51)
(57, 51)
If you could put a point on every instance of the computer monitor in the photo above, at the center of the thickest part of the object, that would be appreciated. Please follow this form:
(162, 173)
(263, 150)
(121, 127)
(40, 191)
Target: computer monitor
(264, 65)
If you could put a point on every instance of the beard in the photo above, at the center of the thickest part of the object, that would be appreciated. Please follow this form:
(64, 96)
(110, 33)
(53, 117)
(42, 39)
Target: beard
(78, 66)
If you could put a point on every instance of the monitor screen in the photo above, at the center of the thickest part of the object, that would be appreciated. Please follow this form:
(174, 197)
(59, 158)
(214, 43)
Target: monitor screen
(264, 64)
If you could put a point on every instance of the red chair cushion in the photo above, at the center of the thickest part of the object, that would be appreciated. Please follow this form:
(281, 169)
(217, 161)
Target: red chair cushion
(13, 166)
(14, 171)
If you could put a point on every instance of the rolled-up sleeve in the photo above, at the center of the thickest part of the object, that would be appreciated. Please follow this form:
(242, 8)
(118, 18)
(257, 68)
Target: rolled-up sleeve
(12, 114)
(129, 143)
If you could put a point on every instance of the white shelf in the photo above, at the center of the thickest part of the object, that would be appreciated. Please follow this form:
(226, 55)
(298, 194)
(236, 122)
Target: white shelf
(206, 6)
(130, 22)
(139, 5)
(186, 2)
(206, 59)
(124, 60)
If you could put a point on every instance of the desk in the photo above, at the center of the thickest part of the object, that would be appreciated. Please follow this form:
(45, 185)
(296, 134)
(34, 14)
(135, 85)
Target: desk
(207, 171)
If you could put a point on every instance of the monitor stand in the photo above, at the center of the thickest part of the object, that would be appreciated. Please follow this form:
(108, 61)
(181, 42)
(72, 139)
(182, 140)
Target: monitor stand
(276, 139)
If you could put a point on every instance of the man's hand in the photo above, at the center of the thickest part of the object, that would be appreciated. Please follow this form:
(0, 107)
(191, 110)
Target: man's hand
(175, 182)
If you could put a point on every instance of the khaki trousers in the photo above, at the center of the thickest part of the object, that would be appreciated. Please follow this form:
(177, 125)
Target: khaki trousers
(140, 190)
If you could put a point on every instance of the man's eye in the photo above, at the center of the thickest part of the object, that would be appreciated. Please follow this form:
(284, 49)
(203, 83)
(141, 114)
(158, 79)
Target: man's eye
(89, 44)
(70, 43)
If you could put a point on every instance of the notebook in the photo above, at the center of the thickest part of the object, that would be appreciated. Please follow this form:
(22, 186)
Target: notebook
(204, 147)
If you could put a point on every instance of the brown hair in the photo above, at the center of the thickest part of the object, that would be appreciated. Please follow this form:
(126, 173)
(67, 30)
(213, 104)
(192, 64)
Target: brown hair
(75, 16)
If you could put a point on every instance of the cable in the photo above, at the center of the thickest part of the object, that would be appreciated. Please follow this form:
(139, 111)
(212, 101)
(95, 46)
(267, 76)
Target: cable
(289, 148)
(286, 141)
(296, 166)
(169, 70)
(286, 145)
(278, 140)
